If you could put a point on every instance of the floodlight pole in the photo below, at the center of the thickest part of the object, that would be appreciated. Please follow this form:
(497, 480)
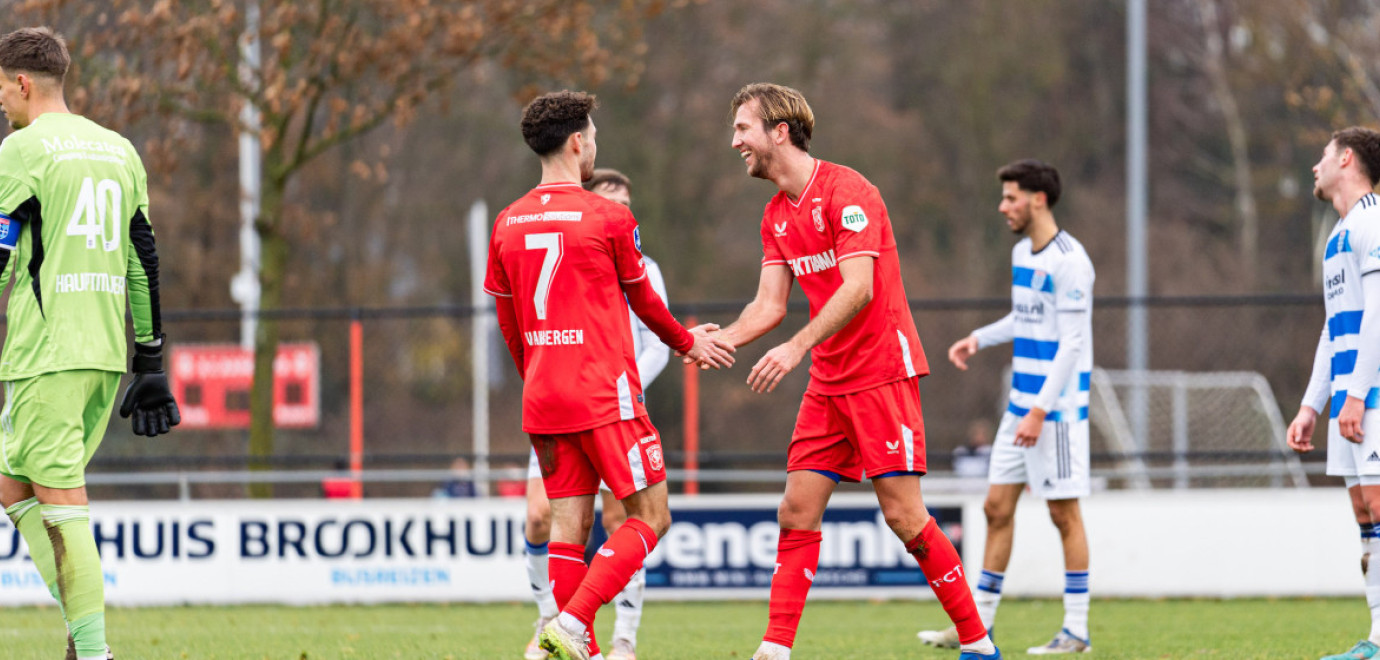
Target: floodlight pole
(1137, 334)
(244, 287)
(481, 323)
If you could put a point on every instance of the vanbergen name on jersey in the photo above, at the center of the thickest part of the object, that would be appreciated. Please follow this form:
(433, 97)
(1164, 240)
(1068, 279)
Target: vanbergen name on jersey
(813, 263)
(555, 337)
(97, 282)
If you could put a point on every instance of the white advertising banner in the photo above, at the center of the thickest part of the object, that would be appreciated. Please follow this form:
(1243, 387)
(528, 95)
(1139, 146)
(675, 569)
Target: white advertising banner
(294, 551)
(1158, 543)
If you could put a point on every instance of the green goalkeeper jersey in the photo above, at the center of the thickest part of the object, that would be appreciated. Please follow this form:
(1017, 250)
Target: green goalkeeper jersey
(78, 195)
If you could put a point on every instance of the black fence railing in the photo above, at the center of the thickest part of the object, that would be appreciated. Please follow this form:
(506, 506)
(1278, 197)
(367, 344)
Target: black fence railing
(418, 393)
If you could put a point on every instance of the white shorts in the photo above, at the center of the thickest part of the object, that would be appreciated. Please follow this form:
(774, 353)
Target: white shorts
(1057, 467)
(1348, 459)
(534, 471)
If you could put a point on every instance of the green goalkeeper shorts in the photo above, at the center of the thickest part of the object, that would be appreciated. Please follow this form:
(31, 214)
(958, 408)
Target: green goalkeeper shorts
(51, 425)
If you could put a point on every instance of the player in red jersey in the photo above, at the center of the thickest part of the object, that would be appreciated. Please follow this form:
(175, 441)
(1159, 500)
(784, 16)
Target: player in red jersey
(828, 228)
(564, 266)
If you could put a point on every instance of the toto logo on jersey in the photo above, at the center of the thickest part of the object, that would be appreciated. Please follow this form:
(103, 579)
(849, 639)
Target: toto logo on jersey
(853, 218)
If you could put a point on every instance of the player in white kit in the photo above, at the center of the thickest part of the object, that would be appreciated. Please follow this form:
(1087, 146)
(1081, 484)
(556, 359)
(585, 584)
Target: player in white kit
(1347, 360)
(652, 356)
(1043, 437)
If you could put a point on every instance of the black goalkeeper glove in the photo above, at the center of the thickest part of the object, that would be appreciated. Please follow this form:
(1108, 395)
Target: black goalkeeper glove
(148, 397)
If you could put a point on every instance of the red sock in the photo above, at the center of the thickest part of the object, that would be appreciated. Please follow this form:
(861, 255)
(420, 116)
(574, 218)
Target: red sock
(944, 570)
(613, 566)
(797, 559)
(566, 566)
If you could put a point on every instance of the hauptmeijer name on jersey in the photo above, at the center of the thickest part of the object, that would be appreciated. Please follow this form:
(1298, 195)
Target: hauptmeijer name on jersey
(78, 195)
(97, 282)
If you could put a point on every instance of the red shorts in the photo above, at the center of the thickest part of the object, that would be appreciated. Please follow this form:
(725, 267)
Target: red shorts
(871, 432)
(626, 454)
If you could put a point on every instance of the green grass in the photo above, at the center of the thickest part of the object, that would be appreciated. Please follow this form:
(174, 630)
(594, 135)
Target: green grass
(1235, 629)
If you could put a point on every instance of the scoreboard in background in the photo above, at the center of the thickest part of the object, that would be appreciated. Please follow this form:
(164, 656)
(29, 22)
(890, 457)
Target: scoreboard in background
(212, 381)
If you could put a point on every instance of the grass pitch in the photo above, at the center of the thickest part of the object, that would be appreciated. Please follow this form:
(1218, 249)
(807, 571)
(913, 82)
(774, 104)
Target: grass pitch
(1236, 629)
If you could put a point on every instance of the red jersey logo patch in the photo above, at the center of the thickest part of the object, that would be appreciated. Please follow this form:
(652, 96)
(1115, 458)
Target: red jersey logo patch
(818, 214)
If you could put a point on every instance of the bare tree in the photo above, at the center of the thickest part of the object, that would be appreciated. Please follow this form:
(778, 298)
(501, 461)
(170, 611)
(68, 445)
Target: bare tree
(331, 71)
(1214, 62)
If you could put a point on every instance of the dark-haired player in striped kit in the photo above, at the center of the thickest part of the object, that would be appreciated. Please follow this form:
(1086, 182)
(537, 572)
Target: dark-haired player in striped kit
(75, 196)
(1346, 364)
(828, 228)
(1043, 438)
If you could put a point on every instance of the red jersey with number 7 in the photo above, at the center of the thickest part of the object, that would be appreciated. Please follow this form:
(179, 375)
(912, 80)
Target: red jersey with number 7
(841, 216)
(563, 254)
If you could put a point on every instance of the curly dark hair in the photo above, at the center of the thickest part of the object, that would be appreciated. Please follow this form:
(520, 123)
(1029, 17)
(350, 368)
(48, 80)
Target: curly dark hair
(36, 51)
(1033, 176)
(551, 118)
(1365, 143)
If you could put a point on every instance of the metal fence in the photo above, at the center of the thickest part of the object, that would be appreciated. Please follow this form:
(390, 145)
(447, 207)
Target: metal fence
(418, 412)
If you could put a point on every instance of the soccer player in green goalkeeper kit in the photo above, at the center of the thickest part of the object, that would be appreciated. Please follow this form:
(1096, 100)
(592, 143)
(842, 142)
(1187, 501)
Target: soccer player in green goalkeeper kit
(74, 225)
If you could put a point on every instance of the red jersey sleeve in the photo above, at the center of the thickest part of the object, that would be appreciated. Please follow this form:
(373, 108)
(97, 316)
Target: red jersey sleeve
(625, 243)
(512, 335)
(771, 252)
(495, 278)
(856, 215)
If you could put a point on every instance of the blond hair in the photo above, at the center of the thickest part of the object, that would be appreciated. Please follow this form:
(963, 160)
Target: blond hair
(778, 104)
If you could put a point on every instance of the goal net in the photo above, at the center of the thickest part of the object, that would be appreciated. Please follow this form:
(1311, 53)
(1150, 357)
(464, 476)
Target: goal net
(1180, 429)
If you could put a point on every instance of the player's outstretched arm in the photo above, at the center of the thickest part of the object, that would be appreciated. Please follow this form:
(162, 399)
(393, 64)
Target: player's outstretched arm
(651, 309)
(962, 350)
(654, 353)
(767, 309)
(710, 351)
(1000, 332)
(849, 299)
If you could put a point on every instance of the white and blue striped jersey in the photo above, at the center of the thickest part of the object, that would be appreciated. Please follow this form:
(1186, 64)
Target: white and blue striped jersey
(1058, 278)
(1353, 250)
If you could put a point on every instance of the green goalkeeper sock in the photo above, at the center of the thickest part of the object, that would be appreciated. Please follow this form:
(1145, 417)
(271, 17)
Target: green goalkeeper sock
(81, 584)
(29, 522)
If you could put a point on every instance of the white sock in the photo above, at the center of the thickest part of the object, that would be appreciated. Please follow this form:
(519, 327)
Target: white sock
(1076, 603)
(983, 646)
(571, 624)
(629, 607)
(774, 650)
(539, 578)
(1370, 545)
(988, 596)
